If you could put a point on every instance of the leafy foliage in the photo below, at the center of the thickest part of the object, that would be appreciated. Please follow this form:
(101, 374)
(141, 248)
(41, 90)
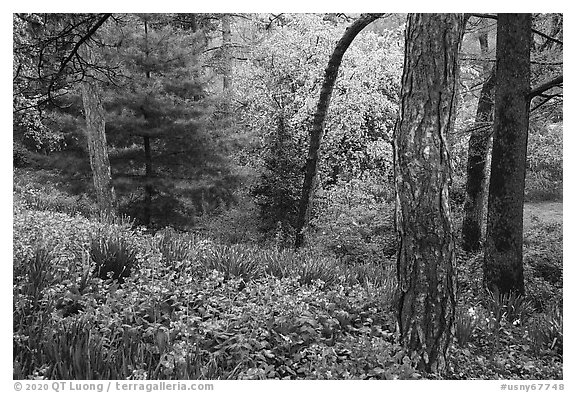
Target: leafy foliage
(113, 255)
(229, 300)
(544, 162)
(174, 317)
(355, 222)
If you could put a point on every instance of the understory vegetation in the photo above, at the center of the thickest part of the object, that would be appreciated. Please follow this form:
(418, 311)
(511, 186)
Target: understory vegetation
(221, 196)
(104, 299)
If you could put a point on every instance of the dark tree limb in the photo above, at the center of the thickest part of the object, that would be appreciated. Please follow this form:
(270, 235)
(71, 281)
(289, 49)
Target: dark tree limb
(272, 19)
(538, 90)
(544, 101)
(495, 17)
(74, 51)
(548, 63)
(316, 132)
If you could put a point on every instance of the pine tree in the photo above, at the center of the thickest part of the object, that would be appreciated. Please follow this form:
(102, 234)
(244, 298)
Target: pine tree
(167, 164)
(426, 264)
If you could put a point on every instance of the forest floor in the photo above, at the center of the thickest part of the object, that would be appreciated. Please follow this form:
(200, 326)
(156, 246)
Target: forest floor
(245, 312)
(542, 212)
(503, 338)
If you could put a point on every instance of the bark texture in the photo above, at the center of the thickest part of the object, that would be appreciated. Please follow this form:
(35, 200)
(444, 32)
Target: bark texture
(503, 270)
(96, 137)
(426, 264)
(478, 147)
(317, 130)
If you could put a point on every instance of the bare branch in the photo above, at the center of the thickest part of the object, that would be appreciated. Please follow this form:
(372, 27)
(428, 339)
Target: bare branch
(544, 101)
(74, 51)
(555, 82)
(495, 17)
(547, 63)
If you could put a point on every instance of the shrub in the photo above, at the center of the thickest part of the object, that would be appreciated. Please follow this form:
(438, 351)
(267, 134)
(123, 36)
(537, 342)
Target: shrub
(543, 264)
(40, 270)
(546, 331)
(540, 186)
(237, 225)
(466, 320)
(306, 265)
(509, 306)
(313, 268)
(355, 222)
(544, 162)
(43, 190)
(233, 261)
(113, 254)
(173, 246)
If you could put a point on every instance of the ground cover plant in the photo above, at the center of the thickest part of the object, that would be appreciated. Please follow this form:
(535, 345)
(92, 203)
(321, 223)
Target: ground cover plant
(193, 308)
(287, 196)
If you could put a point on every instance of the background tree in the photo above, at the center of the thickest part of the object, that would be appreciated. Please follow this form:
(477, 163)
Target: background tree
(503, 268)
(318, 123)
(96, 137)
(278, 75)
(426, 270)
(478, 148)
(167, 162)
(503, 259)
(52, 59)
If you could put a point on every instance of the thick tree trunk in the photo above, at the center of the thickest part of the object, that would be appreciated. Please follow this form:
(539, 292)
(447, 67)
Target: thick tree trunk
(316, 132)
(503, 270)
(426, 265)
(478, 147)
(97, 147)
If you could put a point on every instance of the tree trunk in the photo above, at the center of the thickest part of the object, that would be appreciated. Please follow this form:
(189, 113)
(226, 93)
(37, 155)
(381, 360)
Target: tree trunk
(97, 147)
(227, 47)
(478, 147)
(148, 188)
(503, 270)
(426, 264)
(316, 132)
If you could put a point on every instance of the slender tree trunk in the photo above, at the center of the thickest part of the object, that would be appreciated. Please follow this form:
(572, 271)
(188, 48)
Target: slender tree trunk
(503, 270)
(96, 137)
(227, 47)
(426, 264)
(317, 130)
(148, 188)
(478, 147)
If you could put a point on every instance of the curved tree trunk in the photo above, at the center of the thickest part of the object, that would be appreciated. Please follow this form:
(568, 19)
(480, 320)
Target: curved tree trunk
(478, 147)
(426, 264)
(316, 132)
(96, 137)
(503, 270)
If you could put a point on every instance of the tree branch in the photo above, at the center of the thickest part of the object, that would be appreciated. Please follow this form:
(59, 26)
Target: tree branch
(472, 58)
(544, 101)
(77, 46)
(557, 81)
(495, 17)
